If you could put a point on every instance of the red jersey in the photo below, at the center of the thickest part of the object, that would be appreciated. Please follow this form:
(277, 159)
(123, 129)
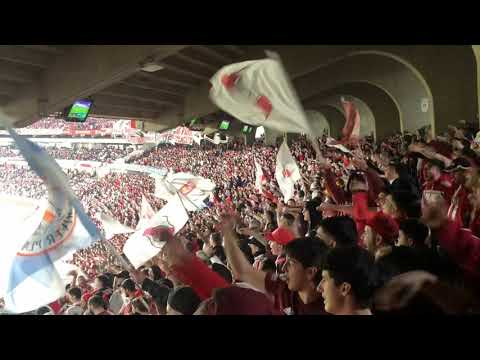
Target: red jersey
(56, 307)
(289, 302)
(462, 246)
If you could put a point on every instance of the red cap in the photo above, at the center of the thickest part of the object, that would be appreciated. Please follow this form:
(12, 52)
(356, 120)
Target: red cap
(280, 236)
(384, 225)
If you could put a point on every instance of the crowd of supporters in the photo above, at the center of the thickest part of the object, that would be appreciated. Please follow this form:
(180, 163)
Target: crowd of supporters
(384, 228)
(106, 153)
(90, 124)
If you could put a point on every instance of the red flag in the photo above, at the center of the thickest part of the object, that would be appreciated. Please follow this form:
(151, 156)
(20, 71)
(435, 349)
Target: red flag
(351, 131)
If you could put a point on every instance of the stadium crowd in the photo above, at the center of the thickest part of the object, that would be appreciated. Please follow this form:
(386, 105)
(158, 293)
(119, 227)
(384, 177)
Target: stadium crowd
(90, 124)
(381, 229)
(106, 154)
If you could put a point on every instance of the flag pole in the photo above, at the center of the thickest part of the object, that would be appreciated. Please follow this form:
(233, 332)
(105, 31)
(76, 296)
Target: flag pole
(180, 196)
(115, 253)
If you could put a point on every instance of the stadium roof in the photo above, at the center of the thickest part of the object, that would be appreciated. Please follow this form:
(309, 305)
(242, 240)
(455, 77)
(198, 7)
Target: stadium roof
(394, 87)
(38, 80)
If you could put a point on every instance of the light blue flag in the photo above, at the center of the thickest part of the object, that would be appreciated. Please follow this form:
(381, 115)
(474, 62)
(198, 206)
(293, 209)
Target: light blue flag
(64, 228)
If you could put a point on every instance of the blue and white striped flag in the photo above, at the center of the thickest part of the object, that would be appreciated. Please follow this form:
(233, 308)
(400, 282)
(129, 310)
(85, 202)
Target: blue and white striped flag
(64, 228)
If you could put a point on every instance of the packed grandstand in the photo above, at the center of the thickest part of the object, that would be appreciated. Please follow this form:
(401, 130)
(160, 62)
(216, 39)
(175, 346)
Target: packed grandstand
(376, 228)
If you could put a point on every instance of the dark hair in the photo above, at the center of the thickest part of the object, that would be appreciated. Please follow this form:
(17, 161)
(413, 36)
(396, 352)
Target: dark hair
(160, 296)
(216, 238)
(309, 253)
(315, 216)
(268, 266)
(75, 292)
(184, 300)
(220, 253)
(103, 280)
(400, 260)
(110, 278)
(247, 251)
(273, 217)
(97, 302)
(355, 266)
(289, 218)
(223, 272)
(416, 231)
(157, 273)
(129, 285)
(355, 176)
(166, 282)
(342, 228)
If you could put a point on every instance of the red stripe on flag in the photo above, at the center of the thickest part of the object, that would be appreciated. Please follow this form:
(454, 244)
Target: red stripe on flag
(265, 105)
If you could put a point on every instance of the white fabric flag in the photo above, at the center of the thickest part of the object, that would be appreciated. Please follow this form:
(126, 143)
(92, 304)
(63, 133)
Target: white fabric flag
(287, 172)
(146, 213)
(113, 227)
(259, 177)
(138, 248)
(192, 189)
(62, 226)
(260, 93)
(335, 144)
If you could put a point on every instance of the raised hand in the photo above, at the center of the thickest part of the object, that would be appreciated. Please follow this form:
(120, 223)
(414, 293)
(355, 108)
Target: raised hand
(174, 252)
(360, 163)
(228, 223)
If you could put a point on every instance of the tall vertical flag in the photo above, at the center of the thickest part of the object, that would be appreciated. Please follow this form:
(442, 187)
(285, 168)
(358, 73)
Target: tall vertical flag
(138, 248)
(287, 172)
(64, 227)
(351, 130)
(260, 178)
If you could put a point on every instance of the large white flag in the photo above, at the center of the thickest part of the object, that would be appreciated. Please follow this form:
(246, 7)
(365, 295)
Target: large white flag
(60, 228)
(139, 248)
(259, 177)
(192, 189)
(113, 227)
(287, 172)
(146, 213)
(260, 93)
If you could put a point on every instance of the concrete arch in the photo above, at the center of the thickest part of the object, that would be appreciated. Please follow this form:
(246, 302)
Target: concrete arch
(449, 73)
(476, 53)
(383, 107)
(318, 122)
(335, 118)
(386, 73)
(366, 114)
